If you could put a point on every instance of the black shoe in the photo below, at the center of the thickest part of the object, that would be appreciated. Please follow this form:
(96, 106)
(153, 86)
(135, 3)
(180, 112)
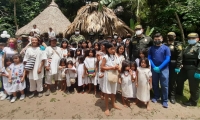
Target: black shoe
(190, 103)
(172, 100)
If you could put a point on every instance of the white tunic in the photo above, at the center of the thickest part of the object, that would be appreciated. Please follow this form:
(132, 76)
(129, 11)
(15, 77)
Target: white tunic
(52, 34)
(90, 63)
(127, 85)
(108, 87)
(70, 74)
(119, 59)
(60, 73)
(143, 89)
(55, 59)
(64, 51)
(40, 55)
(80, 72)
(9, 52)
(6, 84)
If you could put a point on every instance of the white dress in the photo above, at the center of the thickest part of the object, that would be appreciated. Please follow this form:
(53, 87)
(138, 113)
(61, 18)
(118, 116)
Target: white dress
(127, 85)
(60, 73)
(70, 74)
(64, 51)
(80, 72)
(9, 52)
(143, 89)
(6, 84)
(134, 86)
(90, 63)
(16, 75)
(120, 59)
(108, 87)
(40, 55)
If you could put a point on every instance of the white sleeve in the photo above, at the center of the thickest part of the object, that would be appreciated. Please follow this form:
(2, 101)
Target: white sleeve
(26, 55)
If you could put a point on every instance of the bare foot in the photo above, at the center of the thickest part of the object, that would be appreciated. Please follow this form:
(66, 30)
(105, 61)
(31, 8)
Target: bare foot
(148, 108)
(125, 106)
(95, 92)
(102, 97)
(107, 112)
(116, 107)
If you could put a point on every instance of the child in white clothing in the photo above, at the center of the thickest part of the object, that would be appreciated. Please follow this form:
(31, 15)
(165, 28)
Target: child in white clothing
(70, 56)
(82, 79)
(133, 66)
(61, 74)
(63, 47)
(70, 72)
(16, 77)
(126, 82)
(144, 82)
(5, 75)
(90, 68)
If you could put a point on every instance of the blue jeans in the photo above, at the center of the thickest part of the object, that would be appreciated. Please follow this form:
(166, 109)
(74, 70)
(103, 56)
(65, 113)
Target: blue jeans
(163, 78)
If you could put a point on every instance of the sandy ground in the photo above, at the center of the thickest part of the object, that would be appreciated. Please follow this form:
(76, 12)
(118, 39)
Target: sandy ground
(87, 106)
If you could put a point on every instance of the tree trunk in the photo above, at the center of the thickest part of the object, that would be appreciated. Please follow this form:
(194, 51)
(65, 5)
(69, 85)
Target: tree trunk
(15, 16)
(138, 12)
(180, 26)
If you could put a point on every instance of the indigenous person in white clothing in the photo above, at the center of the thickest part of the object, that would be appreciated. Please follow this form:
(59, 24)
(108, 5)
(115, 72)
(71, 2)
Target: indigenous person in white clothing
(37, 73)
(71, 74)
(109, 64)
(81, 74)
(64, 46)
(133, 66)
(61, 74)
(125, 80)
(16, 77)
(51, 33)
(35, 31)
(120, 58)
(5, 75)
(90, 68)
(54, 54)
(144, 82)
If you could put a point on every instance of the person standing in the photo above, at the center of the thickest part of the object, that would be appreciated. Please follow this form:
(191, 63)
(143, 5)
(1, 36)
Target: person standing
(175, 63)
(191, 69)
(137, 42)
(35, 31)
(51, 33)
(77, 37)
(54, 54)
(159, 56)
(36, 74)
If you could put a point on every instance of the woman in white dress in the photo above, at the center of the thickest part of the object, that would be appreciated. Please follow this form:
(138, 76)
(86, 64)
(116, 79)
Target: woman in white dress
(37, 73)
(109, 64)
(82, 78)
(144, 82)
(64, 46)
(120, 58)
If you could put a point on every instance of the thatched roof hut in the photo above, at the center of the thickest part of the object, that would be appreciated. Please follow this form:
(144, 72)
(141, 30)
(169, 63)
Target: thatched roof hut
(50, 17)
(89, 19)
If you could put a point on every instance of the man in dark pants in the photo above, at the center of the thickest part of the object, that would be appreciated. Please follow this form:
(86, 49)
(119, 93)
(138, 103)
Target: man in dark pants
(191, 68)
(175, 63)
(137, 42)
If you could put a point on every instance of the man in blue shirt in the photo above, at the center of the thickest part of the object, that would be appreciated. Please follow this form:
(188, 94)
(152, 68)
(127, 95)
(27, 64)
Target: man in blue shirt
(159, 56)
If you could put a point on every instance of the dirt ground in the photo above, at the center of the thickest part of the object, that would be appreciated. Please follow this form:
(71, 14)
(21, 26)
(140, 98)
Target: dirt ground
(87, 106)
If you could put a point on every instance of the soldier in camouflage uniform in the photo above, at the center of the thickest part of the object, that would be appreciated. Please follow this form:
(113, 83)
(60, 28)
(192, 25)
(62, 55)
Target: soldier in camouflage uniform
(191, 68)
(175, 63)
(77, 37)
(137, 42)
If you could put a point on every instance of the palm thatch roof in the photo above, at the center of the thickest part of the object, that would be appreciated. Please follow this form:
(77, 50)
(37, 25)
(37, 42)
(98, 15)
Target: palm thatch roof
(50, 17)
(89, 19)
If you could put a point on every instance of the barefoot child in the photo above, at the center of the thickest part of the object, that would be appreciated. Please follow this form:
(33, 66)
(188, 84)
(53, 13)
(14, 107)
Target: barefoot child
(90, 68)
(81, 74)
(61, 74)
(133, 66)
(144, 82)
(16, 77)
(125, 80)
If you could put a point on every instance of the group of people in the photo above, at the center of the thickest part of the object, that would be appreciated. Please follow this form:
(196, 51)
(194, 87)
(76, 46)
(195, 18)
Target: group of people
(129, 66)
